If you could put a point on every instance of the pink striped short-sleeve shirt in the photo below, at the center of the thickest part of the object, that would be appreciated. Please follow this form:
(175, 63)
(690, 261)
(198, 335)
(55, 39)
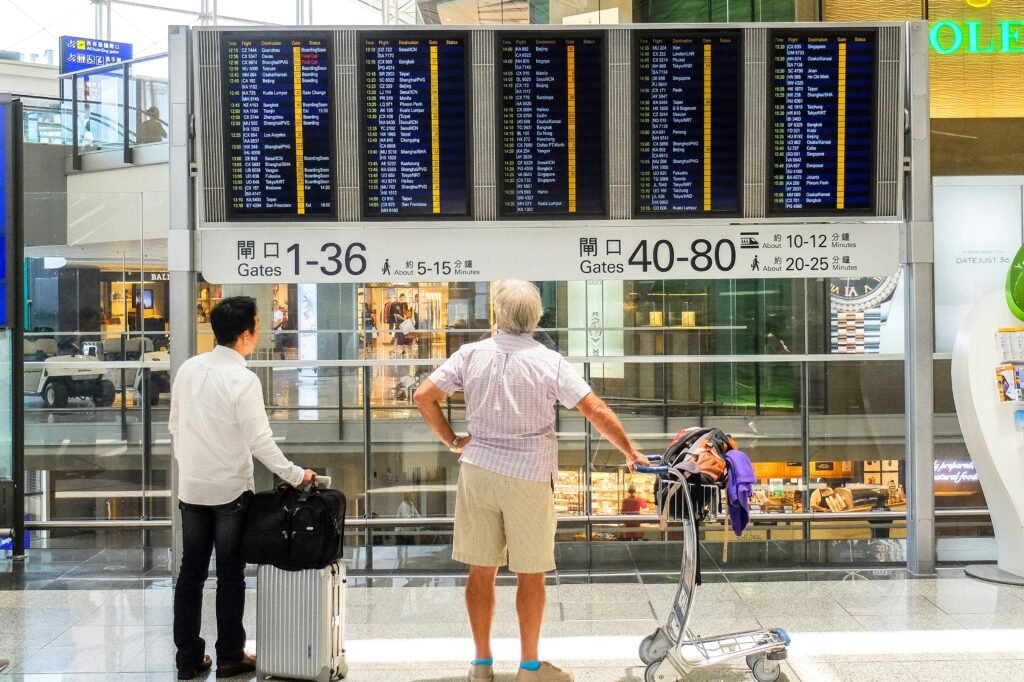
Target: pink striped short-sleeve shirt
(511, 383)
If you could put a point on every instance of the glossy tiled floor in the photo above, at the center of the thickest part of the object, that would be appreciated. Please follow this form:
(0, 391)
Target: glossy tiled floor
(951, 628)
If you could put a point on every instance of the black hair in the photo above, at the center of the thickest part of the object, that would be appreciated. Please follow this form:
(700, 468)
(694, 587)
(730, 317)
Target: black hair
(232, 317)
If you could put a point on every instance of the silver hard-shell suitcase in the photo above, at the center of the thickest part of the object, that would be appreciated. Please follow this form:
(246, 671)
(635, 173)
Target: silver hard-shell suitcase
(300, 623)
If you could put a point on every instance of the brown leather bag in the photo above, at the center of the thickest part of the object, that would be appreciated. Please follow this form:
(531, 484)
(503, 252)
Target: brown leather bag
(712, 464)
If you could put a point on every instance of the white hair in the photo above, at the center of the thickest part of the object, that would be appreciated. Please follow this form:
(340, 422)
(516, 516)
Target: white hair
(517, 307)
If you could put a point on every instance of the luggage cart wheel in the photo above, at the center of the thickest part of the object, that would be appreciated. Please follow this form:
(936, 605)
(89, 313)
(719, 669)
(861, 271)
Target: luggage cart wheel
(763, 669)
(651, 673)
(649, 652)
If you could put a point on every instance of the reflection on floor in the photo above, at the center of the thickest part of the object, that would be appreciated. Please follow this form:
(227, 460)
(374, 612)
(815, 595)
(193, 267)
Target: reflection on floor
(874, 625)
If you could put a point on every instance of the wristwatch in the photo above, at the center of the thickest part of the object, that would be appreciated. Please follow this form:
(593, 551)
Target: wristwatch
(860, 306)
(452, 447)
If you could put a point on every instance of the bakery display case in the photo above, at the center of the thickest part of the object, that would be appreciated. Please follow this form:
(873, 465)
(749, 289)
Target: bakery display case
(569, 492)
(608, 490)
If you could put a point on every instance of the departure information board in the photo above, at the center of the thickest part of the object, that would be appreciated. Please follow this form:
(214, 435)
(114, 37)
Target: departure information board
(278, 145)
(414, 125)
(822, 98)
(552, 115)
(688, 104)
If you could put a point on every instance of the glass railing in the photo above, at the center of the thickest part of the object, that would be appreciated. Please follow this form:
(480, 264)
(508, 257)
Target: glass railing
(114, 107)
(98, 450)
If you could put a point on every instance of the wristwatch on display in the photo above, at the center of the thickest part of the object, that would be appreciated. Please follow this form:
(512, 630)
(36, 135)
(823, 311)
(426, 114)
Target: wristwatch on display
(859, 309)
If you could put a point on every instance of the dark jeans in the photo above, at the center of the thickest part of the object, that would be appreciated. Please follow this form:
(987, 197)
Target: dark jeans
(203, 529)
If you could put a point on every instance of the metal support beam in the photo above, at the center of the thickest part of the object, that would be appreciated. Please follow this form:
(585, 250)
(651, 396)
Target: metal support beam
(918, 245)
(16, 280)
(180, 259)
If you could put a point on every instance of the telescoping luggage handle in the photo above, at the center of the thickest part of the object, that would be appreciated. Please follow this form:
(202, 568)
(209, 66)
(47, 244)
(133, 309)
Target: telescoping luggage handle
(653, 468)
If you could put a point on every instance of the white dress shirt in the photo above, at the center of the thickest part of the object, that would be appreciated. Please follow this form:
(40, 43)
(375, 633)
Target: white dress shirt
(218, 423)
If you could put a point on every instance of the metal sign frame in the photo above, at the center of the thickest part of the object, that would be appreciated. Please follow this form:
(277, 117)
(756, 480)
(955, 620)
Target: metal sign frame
(909, 138)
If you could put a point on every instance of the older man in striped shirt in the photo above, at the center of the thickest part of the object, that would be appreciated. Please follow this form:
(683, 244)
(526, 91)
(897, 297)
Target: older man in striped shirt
(504, 508)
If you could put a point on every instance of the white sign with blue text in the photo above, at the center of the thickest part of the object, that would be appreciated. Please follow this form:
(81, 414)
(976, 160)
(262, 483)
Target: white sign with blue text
(571, 252)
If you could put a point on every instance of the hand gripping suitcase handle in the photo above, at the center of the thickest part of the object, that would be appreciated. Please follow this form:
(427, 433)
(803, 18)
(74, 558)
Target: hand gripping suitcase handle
(655, 466)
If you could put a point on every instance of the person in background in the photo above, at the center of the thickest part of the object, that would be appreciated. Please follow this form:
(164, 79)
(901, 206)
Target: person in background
(407, 510)
(819, 496)
(632, 505)
(280, 319)
(151, 130)
(369, 326)
(400, 312)
(218, 423)
(504, 504)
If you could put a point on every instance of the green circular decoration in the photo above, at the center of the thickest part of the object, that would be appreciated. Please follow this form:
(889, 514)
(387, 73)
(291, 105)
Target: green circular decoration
(1015, 285)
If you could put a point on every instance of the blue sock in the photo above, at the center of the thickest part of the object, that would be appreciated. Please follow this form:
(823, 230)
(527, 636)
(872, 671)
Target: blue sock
(530, 665)
(484, 661)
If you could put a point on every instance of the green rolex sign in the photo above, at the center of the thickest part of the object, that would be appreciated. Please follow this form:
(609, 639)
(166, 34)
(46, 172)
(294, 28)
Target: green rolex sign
(976, 37)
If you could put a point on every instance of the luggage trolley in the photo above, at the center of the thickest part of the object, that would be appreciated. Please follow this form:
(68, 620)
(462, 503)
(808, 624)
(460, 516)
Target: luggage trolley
(673, 650)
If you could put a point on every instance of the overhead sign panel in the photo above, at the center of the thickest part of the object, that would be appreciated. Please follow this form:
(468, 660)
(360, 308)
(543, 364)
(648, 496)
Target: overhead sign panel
(688, 110)
(822, 121)
(415, 125)
(277, 123)
(579, 251)
(552, 125)
(78, 54)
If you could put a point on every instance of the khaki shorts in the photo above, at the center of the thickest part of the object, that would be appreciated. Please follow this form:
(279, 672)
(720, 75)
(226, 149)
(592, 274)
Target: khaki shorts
(500, 519)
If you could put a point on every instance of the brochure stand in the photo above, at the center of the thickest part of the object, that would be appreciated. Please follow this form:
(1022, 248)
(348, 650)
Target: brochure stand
(987, 423)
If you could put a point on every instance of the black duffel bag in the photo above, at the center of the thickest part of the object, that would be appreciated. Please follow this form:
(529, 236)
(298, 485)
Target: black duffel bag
(294, 529)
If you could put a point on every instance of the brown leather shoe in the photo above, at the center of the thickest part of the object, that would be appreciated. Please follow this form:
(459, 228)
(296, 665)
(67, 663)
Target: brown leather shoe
(243, 667)
(191, 673)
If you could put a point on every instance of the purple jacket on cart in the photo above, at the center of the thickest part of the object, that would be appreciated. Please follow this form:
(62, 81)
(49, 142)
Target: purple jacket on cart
(739, 486)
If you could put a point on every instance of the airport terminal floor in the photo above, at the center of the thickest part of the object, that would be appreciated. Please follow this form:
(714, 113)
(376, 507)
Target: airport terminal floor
(790, 221)
(63, 624)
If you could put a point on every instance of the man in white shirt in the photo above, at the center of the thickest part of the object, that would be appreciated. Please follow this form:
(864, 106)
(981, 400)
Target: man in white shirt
(218, 423)
(407, 510)
(504, 505)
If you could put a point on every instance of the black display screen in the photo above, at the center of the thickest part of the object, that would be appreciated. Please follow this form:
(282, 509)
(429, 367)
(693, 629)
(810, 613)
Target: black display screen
(688, 112)
(552, 122)
(414, 125)
(278, 145)
(822, 113)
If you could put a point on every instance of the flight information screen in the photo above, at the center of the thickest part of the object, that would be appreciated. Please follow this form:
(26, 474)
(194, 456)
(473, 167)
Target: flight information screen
(278, 145)
(822, 99)
(414, 125)
(552, 114)
(688, 98)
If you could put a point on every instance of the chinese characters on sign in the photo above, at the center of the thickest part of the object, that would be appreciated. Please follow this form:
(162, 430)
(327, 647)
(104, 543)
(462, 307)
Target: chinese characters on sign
(587, 253)
(78, 54)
